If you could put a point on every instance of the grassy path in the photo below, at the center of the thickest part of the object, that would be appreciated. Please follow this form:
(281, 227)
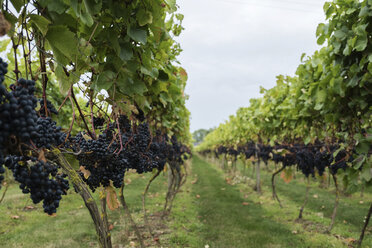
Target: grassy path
(229, 223)
(259, 222)
(207, 211)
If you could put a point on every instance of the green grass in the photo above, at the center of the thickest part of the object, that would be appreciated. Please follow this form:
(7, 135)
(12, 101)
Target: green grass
(209, 210)
(229, 223)
(317, 213)
(73, 227)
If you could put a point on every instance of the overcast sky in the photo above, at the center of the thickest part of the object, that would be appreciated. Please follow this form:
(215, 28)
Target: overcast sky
(232, 47)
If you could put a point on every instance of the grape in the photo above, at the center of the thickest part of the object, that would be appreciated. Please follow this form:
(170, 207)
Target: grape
(98, 121)
(48, 134)
(107, 158)
(50, 107)
(39, 179)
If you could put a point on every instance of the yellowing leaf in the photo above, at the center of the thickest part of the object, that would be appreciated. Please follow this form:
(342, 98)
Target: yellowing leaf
(111, 198)
(287, 176)
(85, 172)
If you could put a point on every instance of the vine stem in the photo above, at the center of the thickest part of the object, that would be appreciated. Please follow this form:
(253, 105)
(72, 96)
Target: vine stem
(43, 75)
(120, 138)
(129, 216)
(306, 198)
(258, 178)
(144, 201)
(171, 177)
(275, 195)
(73, 119)
(91, 112)
(81, 188)
(81, 114)
(16, 71)
(6, 188)
(336, 203)
(104, 212)
(23, 47)
(368, 217)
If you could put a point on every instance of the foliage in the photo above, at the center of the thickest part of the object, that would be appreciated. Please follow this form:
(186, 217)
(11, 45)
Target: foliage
(328, 100)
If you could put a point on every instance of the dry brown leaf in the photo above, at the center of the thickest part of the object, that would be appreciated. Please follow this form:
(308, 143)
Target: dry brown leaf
(287, 176)
(350, 240)
(245, 203)
(4, 25)
(42, 156)
(111, 198)
(111, 226)
(85, 172)
(128, 181)
(197, 196)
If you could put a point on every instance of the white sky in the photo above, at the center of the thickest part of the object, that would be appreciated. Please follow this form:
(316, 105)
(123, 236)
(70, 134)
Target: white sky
(232, 47)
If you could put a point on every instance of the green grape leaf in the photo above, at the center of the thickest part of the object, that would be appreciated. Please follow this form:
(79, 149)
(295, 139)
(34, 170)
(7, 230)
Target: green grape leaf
(138, 35)
(17, 4)
(57, 6)
(144, 17)
(130, 86)
(86, 18)
(126, 52)
(104, 81)
(163, 76)
(366, 172)
(64, 81)
(361, 43)
(41, 23)
(93, 6)
(340, 34)
(63, 40)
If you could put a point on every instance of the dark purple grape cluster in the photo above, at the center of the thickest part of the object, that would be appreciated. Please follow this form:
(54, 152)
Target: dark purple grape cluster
(22, 128)
(339, 162)
(249, 150)
(108, 157)
(308, 158)
(98, 121)
(21, 116)
(305, 162)
(50, 108)
(39, 179)
(322, 160)
(48, 133)
(263, 152)
(3, 133)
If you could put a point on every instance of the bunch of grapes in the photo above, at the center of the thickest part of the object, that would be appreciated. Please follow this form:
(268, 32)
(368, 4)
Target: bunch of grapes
(50, 108)
(48, 133)
(340, 161)
(305, 162)
(322, 161)
(98, 121)
(39, 179)
(21, 129)
(264, 152)
(108, 157)
(3, 133)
